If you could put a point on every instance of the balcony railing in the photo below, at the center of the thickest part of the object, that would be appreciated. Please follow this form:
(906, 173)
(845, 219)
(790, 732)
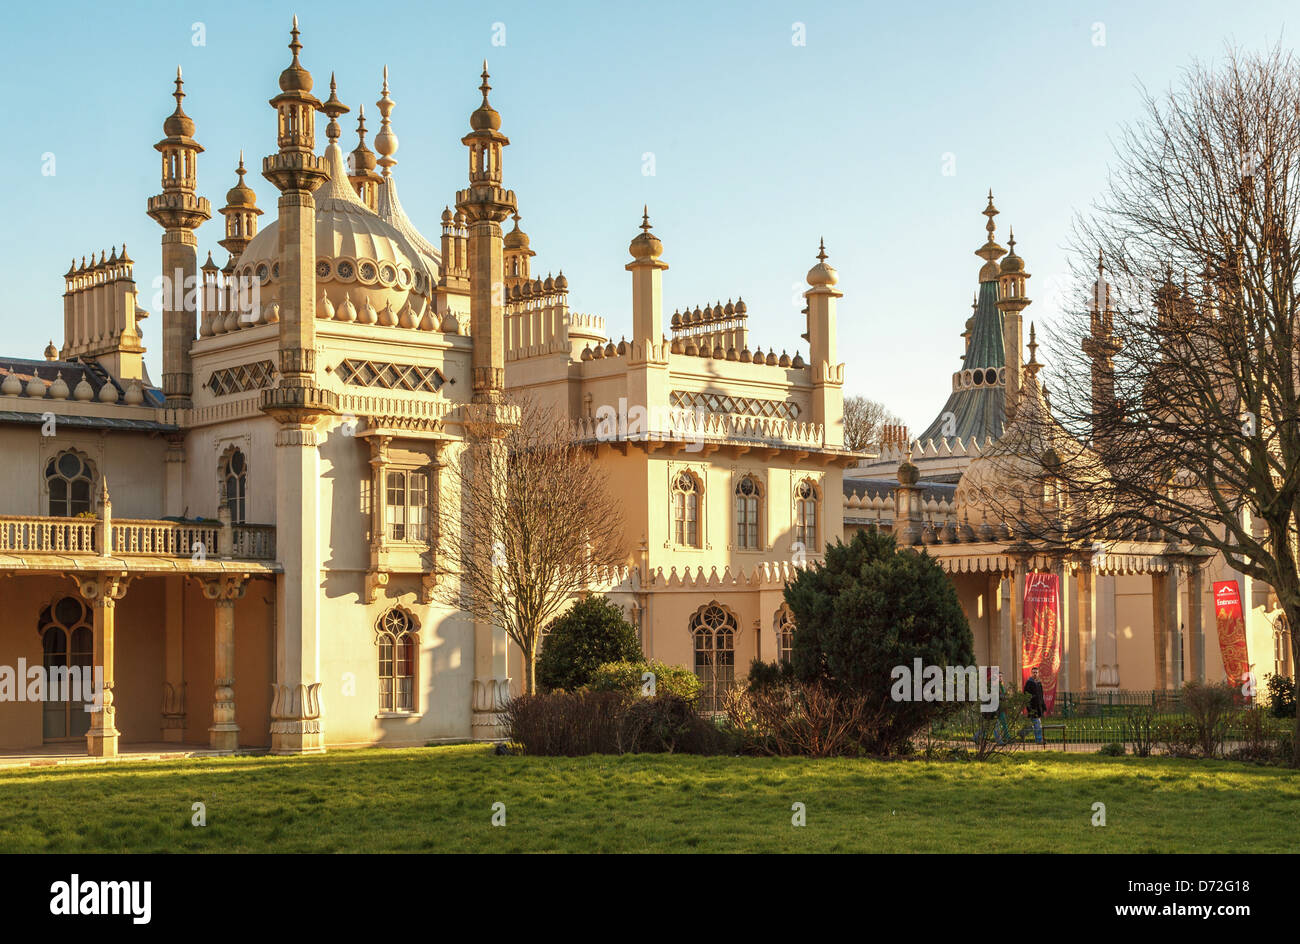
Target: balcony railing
(30, 534)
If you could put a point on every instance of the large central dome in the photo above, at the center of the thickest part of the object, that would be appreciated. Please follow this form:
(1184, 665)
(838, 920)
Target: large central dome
(359, 256)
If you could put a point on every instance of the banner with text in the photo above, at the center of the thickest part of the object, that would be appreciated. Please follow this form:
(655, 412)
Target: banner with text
(1040, 635)
(1232, 629)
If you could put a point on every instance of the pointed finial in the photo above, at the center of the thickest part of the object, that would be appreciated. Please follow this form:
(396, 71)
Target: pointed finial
(385, 140)
(295, 45)
(645, 218)
(485, 88)
(821, 251)
(1032, 364)
(103, 488)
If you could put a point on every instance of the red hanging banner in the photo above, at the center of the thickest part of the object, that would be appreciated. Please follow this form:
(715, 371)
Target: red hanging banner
(1040, 635)
(1232, 630)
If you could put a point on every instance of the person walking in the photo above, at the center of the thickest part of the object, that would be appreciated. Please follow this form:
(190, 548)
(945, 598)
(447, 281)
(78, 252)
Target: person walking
(1037, 706)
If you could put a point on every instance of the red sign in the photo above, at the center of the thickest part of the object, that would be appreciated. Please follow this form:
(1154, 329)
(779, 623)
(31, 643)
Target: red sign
(1040, 633)
(1232, 630)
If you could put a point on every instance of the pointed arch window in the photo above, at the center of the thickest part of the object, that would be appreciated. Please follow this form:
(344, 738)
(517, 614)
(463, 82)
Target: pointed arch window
(686, 510)
(807, 505)
(234, 485)
(68, 479)
(714, 628)
(784, 633)
(397, 639)
(749, 496)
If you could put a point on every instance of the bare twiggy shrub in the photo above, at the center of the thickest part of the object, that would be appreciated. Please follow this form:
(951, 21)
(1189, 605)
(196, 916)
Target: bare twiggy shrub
(537, 524)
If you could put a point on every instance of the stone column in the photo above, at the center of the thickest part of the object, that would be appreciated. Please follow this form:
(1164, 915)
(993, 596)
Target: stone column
(1064, 618)
(993, 619)
(102, 591)
(1086, 627)
(1159, 629)
(377, 575)
(173, 702)
(1006, 627)
(1175, 622)
(1196, 613)
(1017, 618)
(224, 592)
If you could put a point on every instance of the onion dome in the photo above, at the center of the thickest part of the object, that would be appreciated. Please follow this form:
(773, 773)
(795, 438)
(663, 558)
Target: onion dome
(363, 159)
(59, 389)
(822, 274)
(12, 386)
(677, 320)
(51, 352)
(516, 239)
(1012, 264)
(798, 360)
(178, 124)
(784, 360)
(740, 306)
(646, 246)
(295, 78)
(83, 391)
(485, 117)
(134, 394)
(561, 283)
(240, 196)
(108, 393)
(36, 387)
(549, 285)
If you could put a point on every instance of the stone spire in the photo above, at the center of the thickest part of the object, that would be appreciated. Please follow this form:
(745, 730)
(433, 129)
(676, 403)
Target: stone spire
(386, 140)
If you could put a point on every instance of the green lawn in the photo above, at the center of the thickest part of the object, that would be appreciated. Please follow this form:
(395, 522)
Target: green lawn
(440, 800)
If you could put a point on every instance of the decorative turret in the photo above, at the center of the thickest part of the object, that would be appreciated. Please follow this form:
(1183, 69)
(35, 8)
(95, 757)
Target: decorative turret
(1012, 302)
(179, 211)
(362, 174)
(101, 315)
(1101, 345)
(241, 214)
(297, 173)
(517, 254)
(827, 375)
(647, 283)
(485, 205)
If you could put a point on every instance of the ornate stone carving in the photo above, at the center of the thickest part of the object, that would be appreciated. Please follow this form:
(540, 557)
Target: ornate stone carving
(489, 700)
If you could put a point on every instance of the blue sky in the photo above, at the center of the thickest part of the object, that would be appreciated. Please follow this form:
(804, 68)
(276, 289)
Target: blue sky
(760, 146)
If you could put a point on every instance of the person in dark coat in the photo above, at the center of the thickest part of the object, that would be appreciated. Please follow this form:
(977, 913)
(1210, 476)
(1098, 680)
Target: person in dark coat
(1037, 706)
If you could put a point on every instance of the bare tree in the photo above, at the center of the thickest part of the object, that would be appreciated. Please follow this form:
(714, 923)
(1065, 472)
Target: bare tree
(537, 525)
(863, 421)
(1178, 383)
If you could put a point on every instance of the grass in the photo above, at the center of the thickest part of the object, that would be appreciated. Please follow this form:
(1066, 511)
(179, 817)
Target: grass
(440, 800)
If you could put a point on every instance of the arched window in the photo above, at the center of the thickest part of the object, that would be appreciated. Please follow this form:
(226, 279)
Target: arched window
(234, 484)
(68, 645)
(68, 477)
(686, 510)
(748, 495)
(397, 638)
(784, 633)
(714, 630)
(806, 502)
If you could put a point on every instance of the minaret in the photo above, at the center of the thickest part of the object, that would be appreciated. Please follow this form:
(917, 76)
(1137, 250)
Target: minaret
(517, 253)
(647, 284)
(240, 213)
(485, 205)
(179, 210)
(297, 404)
(827, 375)
(1101, 345)
(1011, 302)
